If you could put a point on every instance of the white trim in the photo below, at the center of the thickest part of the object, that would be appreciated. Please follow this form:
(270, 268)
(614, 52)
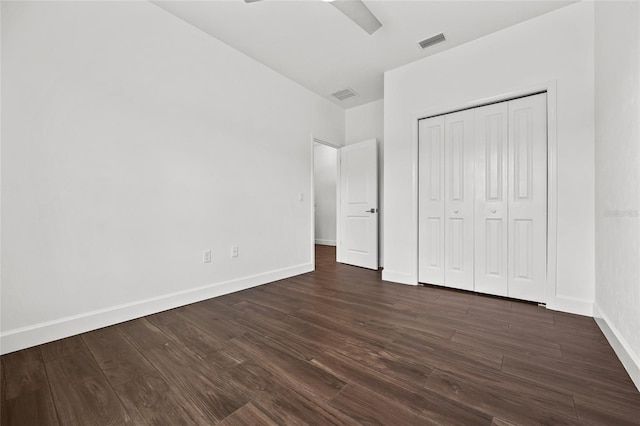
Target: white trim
(48, 331)
(571, 305)
(550, 87)
(398, 277)
(326, 242)
(630, 360)
(338, 206)
(323, 142)
(552, 203)
(312, 201)
(1, 166)
(415, 212)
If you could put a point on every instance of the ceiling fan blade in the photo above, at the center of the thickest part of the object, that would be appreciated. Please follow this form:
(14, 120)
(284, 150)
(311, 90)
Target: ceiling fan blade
(359, 13)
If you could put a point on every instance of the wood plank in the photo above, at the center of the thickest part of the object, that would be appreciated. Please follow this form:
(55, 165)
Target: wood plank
(3, 396)
(118, 359)
(163, 318)
(191, 337)
(30, 408)
(298, 372)
(511, 344)
(219, 328)
(204, 388)
(419, 400)
(444, 354)
(142, 334)
(25, 390)
(509, 316)
(497, 421)
(222, 310)
(233, 298)
(610, 409)
(373, 409)
(148, 399)
(24, 372)
(570, 376)
(290, 341)
(82, 394)
(319, 333)
(498, 401)
(286, 405)
(63, 347)
(248, 415)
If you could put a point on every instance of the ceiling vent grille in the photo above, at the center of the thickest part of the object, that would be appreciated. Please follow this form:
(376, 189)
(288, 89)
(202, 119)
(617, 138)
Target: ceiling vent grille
(431, 40)
(344, 94)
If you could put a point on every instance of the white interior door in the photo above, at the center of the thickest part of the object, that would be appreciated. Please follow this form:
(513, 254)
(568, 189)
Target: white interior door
(491, 243)
(358, 242)
(527, 197)
(459, 200)
(431, 200)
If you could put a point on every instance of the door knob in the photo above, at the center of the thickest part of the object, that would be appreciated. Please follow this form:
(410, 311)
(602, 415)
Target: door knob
(456, 211)
(493, 210)
(371, 211)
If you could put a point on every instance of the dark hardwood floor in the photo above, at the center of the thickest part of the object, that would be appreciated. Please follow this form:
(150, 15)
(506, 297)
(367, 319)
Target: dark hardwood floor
(337, 346)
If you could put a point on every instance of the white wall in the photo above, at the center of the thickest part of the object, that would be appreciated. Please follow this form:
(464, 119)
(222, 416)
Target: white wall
(325, 174)
(617, 159)
(131, 142)
(556, 46)
(363, 123)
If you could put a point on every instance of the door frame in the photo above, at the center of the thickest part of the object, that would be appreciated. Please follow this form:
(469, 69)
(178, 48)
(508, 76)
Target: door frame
(550, 87)
(312, 195)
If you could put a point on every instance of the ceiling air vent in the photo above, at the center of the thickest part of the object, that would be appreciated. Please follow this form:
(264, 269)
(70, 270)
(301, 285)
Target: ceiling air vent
(431, 40)
(344, 94)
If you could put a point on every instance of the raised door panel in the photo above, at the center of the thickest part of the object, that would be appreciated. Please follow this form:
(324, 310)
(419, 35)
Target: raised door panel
(527, 198)
(431, 200)
(459, 200)
(491, 208)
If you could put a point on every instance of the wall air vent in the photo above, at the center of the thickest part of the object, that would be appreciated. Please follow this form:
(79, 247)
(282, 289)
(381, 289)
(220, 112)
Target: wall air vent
(431, 40)
(344, 94)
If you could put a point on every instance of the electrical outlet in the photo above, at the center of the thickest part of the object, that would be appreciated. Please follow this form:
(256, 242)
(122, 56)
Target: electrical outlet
(206, 256)
(235, 251)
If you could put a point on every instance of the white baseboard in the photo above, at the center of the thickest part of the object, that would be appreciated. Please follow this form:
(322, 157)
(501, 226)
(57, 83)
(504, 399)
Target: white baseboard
(630, 360)
(399, 277)
(44, 332)
(326, 242)
(571, 305)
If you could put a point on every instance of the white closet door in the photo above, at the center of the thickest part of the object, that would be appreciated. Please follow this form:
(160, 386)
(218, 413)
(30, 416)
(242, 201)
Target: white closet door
(528, 198)
(491, 249)
(459, 200)
(431, 200)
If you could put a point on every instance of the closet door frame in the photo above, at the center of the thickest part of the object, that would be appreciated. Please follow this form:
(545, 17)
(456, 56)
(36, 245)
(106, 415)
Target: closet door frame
(550, 87)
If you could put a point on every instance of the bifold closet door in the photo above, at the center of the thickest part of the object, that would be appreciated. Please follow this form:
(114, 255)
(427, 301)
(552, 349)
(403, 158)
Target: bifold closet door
(446, 200)
(511, 198)
(459, 200)
(431, 200)
(483, 199)
(491, 231)
(527, 195)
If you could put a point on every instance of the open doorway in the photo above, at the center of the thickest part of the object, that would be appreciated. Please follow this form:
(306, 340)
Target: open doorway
(325, 202)
(345, 213)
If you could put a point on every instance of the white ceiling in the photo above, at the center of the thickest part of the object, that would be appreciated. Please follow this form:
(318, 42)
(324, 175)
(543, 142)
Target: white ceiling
(314, 44)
